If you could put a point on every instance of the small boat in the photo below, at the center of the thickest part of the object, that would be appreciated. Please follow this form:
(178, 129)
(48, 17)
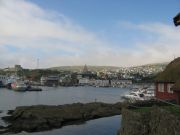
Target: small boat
(19, 86)
(141, 94)
(134, 96)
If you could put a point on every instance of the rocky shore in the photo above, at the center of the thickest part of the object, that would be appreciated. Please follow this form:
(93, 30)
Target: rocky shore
(43, 117)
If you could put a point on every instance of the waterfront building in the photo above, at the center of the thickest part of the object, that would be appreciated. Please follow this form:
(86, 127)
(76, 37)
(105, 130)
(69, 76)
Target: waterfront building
(121, 83)
(163, 90)
(168, 82)
(102, 83)
(50, 80)
(3, 80)
(84, 81)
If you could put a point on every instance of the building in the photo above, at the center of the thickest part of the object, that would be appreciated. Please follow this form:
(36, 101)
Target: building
(176, 89)
(3, 80)
(84, 81)
(168, 82)
(121, 83)
(87, 74)
(163, 90)
(50, 80)
(101, 83)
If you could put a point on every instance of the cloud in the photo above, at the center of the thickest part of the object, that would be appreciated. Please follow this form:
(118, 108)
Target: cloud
(28, 32)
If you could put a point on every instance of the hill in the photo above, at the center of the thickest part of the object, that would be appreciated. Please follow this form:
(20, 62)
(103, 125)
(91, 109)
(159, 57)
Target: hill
(90, 68)
(157, 66)
(171, 72)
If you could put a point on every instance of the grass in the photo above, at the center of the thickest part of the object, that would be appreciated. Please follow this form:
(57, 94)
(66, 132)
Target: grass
(173, 109)
(143, 109)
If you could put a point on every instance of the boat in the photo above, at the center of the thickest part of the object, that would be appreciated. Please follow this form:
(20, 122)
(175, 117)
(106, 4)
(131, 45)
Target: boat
(19, 85)
(10, 80)
(140, 94)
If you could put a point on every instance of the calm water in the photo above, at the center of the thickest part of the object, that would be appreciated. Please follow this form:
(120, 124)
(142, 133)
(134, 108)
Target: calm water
(66, 95)
(61, 95)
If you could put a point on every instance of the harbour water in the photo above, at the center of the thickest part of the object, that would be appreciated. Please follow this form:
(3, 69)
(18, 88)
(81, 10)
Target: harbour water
(66, 95)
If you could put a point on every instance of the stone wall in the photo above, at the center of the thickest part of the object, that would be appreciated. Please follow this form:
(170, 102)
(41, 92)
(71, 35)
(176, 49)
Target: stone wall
(154, 122)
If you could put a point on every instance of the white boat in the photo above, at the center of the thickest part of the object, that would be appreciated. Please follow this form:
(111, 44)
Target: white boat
(19, 85)
(141, 94)
(134, 96)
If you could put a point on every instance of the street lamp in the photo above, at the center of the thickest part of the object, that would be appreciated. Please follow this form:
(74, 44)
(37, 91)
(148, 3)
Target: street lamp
(177, 19)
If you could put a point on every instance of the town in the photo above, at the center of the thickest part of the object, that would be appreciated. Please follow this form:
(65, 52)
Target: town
(111, 77)
(95, 67)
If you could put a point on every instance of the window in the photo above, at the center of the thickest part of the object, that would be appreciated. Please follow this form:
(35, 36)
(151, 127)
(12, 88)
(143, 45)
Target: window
(169, 86)
(161, 87)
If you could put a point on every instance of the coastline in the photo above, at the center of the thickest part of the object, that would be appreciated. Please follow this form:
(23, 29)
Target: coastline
(43, 117)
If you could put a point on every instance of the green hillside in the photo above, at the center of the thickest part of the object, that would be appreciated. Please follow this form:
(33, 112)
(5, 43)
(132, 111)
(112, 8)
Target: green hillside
(80, 68)
(171, 72)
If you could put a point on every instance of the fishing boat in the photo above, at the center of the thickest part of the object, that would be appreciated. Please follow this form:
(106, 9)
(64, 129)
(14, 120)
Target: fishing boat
(19, 85)
(10, 80)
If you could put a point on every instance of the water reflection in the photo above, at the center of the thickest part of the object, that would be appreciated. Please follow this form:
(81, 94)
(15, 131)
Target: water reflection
(102, 126)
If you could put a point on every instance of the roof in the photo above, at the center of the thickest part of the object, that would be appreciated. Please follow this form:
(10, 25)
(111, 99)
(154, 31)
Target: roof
(171, 73)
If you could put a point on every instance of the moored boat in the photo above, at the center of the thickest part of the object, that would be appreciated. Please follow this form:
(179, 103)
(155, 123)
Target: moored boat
(141, 94)
(19, 86)
(10, 80)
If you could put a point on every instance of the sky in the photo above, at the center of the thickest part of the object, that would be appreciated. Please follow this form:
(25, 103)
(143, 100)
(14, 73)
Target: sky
(93, 32)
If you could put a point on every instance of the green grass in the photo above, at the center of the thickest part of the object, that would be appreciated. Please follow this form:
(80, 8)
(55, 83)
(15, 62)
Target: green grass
(173, 109)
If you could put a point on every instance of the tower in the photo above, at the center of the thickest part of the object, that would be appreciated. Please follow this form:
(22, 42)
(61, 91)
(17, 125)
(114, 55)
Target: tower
(85, 70)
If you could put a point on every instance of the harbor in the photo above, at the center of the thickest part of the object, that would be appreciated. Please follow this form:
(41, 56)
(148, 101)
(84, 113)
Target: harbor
(89, 67)
(9, 100)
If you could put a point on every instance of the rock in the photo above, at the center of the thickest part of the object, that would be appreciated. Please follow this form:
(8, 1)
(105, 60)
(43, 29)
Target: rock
(43, 117)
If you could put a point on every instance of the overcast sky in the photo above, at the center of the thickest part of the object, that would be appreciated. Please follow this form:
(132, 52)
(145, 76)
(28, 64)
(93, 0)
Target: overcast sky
(92, 32)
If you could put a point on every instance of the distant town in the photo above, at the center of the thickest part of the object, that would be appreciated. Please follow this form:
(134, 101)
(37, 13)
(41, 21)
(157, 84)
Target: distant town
(101, 76)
